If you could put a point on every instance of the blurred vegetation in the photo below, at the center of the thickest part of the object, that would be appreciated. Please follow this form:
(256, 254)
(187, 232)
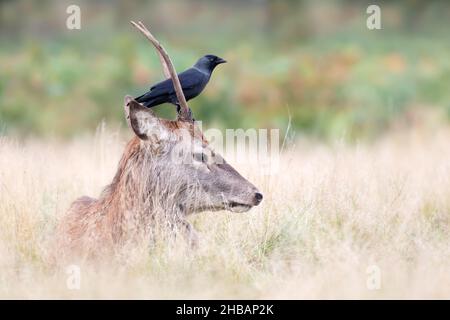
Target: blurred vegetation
(312, 60)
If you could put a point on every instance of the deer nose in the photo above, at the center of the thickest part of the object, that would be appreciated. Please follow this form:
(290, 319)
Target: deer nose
(258, 198)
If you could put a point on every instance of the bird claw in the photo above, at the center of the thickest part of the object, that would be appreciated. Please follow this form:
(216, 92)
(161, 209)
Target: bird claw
(191, 116)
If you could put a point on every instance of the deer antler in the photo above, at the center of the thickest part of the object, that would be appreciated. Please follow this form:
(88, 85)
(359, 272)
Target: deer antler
(169, 71)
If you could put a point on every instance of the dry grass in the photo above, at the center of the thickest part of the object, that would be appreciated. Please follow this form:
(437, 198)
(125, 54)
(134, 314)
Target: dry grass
(332, 211)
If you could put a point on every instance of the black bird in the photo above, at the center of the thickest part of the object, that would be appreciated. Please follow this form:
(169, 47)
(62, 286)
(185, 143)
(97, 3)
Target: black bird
(193, 81)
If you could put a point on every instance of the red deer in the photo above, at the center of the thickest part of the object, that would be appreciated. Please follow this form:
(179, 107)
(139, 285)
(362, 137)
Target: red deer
(167, 169)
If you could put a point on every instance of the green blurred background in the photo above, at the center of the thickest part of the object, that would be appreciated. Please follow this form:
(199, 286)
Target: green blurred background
(312, 61)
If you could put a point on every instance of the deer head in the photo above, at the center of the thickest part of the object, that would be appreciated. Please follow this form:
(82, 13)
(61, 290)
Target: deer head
(195, 176)
(200, 178)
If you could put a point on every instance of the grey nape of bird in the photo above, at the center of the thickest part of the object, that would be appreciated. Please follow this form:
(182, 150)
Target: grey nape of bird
(193, 81)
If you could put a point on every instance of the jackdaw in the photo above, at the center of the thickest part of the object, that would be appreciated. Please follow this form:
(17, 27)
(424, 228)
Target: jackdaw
(193, 81)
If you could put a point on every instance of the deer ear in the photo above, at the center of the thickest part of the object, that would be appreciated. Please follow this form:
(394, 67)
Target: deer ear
(144, 122)
(126, 100)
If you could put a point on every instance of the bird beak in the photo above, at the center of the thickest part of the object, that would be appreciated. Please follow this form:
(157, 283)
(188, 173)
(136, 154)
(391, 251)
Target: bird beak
(220, 60)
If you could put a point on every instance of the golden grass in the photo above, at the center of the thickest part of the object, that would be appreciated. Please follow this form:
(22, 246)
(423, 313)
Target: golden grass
(330, 213)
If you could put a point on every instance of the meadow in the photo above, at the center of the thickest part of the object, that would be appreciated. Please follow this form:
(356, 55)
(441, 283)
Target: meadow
(332, 214)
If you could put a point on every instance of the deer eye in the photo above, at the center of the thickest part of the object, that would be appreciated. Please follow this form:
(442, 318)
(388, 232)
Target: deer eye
(200, 157)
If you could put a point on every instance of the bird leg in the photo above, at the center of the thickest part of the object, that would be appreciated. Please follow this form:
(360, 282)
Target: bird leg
(179, 111)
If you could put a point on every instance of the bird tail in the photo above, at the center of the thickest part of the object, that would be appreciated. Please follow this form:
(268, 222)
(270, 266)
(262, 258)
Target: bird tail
(138, 99)
(149, 101)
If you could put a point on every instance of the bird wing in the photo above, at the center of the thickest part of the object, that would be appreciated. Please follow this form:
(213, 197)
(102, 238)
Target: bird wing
(188, 79)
